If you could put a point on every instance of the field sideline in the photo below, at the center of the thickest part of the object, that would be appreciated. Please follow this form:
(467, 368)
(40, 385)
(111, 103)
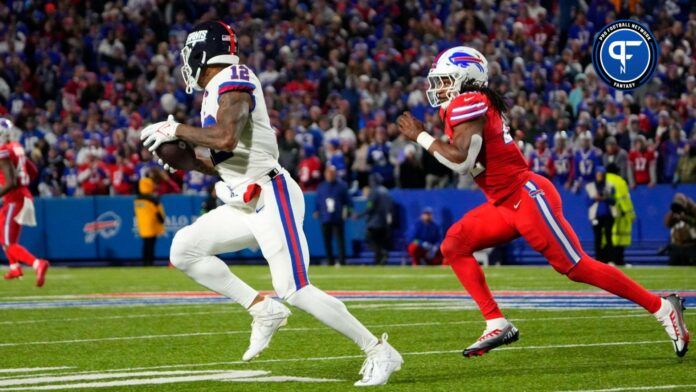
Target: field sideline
(145, 329)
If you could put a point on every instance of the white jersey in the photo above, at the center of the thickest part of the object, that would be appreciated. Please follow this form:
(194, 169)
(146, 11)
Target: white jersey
(257, 150)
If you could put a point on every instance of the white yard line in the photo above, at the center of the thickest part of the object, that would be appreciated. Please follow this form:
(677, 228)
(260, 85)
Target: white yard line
(419, 305)
(347, 357)
(35, 369)
(99, 376)
(639, 388)
(302, 329)
(210, 376)
(130, 316)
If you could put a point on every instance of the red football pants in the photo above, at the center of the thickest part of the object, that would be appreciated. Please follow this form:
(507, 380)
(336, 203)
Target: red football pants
(9, 234)
(535, 213)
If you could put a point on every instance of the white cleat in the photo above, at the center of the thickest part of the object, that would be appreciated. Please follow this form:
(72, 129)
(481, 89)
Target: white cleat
(269, 315)
(382, 360)
(672, 318)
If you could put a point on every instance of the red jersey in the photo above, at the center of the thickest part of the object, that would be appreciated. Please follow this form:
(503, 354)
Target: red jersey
(501, 168)
(309, 173)
(640, 162)
(23, 170)
(120, 176)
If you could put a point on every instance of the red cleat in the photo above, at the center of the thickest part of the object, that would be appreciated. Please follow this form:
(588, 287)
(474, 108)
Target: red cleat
(41, 272)
(14, 273)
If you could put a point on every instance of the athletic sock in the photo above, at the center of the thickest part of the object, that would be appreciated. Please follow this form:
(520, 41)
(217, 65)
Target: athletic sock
(21, 254)
(213, 273)
(333, 313)
(15, 266)
(609, 278)
(471, 276)
(496, 323)
(664, 310)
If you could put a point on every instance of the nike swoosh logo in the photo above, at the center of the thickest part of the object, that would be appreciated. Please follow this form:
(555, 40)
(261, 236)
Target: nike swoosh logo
(517, 204)
(259, 209)
(468, 99)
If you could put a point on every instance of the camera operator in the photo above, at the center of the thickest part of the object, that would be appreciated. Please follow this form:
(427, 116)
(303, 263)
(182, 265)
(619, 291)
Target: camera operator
(681, 220)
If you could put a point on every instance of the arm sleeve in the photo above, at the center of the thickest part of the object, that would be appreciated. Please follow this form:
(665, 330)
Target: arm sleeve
(318, 199)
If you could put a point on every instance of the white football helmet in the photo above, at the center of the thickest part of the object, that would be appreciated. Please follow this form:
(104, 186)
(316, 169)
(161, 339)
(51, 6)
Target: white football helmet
(6, 129)
(452, 68)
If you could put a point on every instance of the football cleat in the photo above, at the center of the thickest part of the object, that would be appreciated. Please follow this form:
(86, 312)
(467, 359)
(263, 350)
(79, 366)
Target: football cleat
(382, 360)
(41, 270)
(674, 324)
(491, 339)
(269, 315)
(14, 273)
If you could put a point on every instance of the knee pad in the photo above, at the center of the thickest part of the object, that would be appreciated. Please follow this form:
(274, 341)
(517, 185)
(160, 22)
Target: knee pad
(584, 270)
(179, 254)
(453, 247)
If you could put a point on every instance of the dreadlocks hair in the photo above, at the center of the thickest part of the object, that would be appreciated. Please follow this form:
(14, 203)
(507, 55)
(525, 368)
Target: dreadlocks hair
(494, 97)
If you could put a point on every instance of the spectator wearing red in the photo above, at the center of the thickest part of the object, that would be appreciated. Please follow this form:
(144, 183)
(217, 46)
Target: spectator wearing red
(425, 238)
(642, 164)
(165, 181)
(309, 170)
(93, 177)
(122, 176)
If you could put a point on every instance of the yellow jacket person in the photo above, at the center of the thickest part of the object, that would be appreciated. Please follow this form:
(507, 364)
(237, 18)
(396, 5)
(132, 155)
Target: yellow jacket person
(149, 217)
(624, 214)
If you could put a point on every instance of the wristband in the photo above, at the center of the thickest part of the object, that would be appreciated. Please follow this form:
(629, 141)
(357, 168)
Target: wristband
(425, 139)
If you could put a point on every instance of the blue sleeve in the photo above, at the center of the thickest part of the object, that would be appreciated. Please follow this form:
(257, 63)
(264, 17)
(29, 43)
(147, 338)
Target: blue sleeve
(346, 197)
(319, 197)
(439, 233)
(412, 233)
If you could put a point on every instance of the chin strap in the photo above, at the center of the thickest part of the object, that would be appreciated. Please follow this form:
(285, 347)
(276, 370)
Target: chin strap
(469, 162)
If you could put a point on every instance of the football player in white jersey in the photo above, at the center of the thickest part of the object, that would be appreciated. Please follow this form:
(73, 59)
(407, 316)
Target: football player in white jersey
(264, 207)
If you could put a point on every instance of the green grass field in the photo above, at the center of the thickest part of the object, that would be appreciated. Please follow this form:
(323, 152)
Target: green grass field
(169, 347)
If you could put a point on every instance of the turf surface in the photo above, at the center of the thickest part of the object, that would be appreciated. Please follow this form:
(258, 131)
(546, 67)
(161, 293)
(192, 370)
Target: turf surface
(569, 349)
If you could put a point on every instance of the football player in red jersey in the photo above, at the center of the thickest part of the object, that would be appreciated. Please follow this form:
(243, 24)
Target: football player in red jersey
(17, 209)
(520, 203)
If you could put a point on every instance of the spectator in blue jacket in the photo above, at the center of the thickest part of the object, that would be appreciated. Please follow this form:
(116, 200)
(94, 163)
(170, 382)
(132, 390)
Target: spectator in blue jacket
(378, 218)
(378, 158)
(333, 204)
(424, 240)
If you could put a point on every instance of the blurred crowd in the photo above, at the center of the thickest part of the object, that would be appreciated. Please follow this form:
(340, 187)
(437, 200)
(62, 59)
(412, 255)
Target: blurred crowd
(80, 79)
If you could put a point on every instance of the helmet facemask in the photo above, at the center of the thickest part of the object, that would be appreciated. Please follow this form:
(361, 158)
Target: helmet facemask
(438, 83)
(187, 71)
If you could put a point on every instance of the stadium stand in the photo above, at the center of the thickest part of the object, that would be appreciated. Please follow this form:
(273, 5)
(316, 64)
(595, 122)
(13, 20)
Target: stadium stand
(80, 79)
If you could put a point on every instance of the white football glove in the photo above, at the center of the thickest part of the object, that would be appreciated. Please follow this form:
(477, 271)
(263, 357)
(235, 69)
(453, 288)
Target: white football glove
(162, 132)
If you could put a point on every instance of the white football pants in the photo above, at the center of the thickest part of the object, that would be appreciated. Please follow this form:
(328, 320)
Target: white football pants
(275, 226)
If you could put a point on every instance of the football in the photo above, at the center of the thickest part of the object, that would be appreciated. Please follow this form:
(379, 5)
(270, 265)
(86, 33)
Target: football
(178, 154)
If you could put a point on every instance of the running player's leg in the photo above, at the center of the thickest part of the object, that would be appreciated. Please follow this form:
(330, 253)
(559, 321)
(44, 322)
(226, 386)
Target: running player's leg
(540, 220)
(194, 248)
(480, 228)
(288, 257)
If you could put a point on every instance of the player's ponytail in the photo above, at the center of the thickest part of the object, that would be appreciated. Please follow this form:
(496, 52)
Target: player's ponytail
(494, 97)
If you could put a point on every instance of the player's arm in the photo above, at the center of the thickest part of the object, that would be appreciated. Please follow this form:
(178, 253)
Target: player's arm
(232, 117)
(460, 156)
(10, 175)
(205, 166)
